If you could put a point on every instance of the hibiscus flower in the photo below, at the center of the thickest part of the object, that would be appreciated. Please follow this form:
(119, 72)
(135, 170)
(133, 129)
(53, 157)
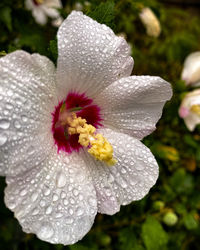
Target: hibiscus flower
(70, 137)
(190, 109)
(42, 9)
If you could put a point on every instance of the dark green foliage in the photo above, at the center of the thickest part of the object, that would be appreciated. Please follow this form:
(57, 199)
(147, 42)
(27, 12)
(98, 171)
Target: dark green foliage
(141, 225)
(104, 13)
(153, 234)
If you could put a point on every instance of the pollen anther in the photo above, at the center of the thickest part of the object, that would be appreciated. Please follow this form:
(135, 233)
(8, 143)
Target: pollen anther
(99, 147)
(196, 109)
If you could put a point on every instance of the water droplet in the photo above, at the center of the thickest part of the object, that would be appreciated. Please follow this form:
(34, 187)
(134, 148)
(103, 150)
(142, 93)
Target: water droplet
(63, 195)
(69, 220)
(79, 211)
(42, 203)
(139, 166)
(9, 106)
(55, 197)
(80, 197)
(48, 210)
(45, 231)
(9, 92)
(30, 150)
(24, 118)
(4, 124)
(3, 139)
(17, 124)
(71, 211)
(72, 201)
(47, 191)
(11, 205)
(75, 192)
(23, 192)
(92, 201)
(34, 197)
(58, 215)
(35, 211)
(61, 180)
(123, 170)
(66, 202)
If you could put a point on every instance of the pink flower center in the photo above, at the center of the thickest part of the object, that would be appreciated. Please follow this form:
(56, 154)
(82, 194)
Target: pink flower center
(87, 110)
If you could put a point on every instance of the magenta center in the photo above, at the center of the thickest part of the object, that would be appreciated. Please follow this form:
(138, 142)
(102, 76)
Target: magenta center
(88, 110)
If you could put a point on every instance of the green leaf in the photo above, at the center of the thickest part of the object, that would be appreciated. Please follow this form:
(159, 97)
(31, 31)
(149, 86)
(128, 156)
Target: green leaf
(153, 234)
(182, 182)
(53, 49)
(6, 17)
(128, 240)
(190, 222)
(104, 13)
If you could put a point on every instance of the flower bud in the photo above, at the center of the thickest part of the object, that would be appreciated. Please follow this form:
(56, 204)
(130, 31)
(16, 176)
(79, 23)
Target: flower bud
(170, 219)
(158, 205)
(191, 70)
(150, 21)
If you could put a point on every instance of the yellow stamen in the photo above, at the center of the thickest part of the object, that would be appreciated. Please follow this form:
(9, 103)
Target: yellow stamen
(39, 1)
(100, 148)
(196, 109)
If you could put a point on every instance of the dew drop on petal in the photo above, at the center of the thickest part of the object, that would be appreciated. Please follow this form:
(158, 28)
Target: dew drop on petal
(35, 211)
(17, 124)
(79, 211)
(23, 192)
(4, 124)
(69, 220)
(55, 197)
(3, 139)
(47, 192)
(60, 180)
(34, 197)
(92, 201)
(58, 215)
(45, 231)
(48, 210)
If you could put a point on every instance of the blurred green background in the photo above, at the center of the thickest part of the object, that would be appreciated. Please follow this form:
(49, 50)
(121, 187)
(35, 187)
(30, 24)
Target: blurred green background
(168, 217)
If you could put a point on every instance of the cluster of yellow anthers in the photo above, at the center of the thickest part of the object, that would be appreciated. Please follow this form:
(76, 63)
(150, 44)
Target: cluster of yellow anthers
(39, 1)
(196, 109)
(100, 148)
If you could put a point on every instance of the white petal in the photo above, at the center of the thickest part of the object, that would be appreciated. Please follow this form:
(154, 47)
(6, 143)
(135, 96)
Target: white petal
(192, 120)
(29, 4)
(53, 3)
(90, 56)
(49, 11)
(27, 98)
(39, 15)
(130, 179)
(57, 22)
(191, 69)
(56, 200)
(133, 105)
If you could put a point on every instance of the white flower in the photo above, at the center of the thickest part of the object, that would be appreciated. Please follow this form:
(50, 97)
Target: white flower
(54, 189)
(41, 9)
(150, 22)
(190, 109)
(191, 70)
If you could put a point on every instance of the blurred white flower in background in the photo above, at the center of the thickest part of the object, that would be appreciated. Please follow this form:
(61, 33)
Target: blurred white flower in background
(150, 22)
(191, 70)
(42, 9)
(190, 109)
